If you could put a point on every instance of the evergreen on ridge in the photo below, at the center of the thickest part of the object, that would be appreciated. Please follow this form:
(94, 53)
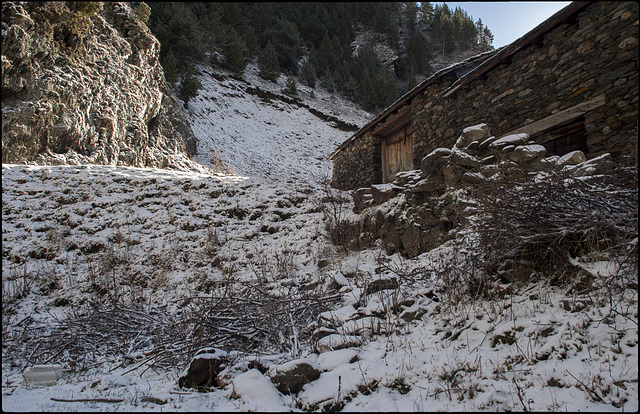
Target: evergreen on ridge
(317, 42)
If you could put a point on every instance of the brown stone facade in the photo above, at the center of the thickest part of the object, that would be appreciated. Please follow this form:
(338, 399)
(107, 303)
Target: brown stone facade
(581, 67)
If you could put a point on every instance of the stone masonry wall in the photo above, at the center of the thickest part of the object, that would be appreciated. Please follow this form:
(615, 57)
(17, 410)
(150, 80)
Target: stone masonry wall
(596, 54)
(358, 164)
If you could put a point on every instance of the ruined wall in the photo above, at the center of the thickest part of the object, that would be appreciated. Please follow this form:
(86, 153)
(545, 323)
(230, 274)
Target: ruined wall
(596, 54)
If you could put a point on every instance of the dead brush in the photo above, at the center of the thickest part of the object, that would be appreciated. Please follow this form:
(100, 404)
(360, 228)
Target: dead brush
(540, 222)
(334, 205)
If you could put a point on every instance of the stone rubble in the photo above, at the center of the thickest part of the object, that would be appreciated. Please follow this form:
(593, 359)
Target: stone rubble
(421, 209)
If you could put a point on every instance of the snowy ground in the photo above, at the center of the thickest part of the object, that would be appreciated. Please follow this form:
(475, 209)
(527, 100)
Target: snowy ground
(74, 235)
(267, 137)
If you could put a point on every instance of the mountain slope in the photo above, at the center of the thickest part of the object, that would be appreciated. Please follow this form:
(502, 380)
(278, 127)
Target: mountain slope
(260, 132)
(120, 274)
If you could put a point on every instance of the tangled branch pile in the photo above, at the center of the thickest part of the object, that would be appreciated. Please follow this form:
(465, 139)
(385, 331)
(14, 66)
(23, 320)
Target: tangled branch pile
(242, 316)
(542, 220)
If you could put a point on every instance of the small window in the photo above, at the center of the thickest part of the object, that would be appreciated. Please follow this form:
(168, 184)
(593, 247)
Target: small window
(565, 138)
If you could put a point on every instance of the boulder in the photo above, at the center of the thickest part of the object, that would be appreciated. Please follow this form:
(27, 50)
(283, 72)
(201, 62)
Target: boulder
(338, 341)
(434, 161)
(571, 158)
(525, 153)
(453, 175)
(289, 378)
(381, 284)
(510, 140)
(258, 393)
(362, 199)
(463, 159)
(473, 133)
(381, 193)
(486, 143)
(336, 317)
(595, 166)
(333, 359)
(203, 369)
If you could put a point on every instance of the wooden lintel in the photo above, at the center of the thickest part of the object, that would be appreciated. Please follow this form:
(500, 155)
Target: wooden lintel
(394, 122)
(561, 117)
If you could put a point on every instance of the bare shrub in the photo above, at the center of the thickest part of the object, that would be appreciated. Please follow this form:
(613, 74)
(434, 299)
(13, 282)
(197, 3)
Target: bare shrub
(247, 316)
(542, 220)
(334, 207)
(241, 316)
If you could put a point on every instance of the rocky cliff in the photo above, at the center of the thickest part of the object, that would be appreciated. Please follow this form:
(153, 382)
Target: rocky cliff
(82, 83)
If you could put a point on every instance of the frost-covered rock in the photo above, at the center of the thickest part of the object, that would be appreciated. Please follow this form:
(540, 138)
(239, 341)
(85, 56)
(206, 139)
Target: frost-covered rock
(571, 158)
(524, 153)
(333, 359)
(99, 96)
(338, 341)
(337, 317)
(594, 166)
(433, 161)
(257, 392)
(463, 159)
(204, 369)
(514, 139)
(473, 133)
(289, 378)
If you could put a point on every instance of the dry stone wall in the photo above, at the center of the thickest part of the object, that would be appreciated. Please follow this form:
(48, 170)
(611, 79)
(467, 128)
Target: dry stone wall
(358, 164)
(591, 55)
(424, 208)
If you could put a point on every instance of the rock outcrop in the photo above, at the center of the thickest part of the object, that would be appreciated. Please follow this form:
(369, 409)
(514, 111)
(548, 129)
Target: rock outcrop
(82, 83)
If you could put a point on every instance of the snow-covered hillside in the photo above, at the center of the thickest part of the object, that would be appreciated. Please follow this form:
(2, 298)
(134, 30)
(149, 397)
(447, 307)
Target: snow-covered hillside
(258, 131)
(121, 274)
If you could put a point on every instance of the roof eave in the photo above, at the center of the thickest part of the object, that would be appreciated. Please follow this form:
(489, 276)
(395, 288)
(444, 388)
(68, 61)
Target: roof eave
(557, 18)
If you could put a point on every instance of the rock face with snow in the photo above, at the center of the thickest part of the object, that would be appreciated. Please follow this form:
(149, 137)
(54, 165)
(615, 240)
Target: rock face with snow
(82, 83)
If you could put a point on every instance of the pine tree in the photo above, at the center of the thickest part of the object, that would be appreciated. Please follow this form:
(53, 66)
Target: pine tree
(418, 53)
(291, 87)
(268, 63)
(488, 36)
(170, 66)
(308, 73)
(189, 86)
(235, 52)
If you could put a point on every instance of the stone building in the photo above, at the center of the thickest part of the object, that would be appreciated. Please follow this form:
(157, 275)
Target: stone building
(570, 84)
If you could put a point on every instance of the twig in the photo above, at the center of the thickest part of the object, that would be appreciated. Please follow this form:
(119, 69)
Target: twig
(591, 392)
(103, 400)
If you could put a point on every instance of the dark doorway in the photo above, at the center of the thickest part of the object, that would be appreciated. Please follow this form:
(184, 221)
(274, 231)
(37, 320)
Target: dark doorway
(564, 138)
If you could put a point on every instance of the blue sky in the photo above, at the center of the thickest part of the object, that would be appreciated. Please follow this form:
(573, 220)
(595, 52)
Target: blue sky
(509, 20)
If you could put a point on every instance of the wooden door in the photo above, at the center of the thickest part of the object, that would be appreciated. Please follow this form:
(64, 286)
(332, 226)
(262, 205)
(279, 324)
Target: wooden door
(397, 154)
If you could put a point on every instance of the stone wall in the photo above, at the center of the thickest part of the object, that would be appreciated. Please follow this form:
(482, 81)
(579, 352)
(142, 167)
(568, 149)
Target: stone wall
(424, 208)
(592, 55)
(597, 54)
(358, 164)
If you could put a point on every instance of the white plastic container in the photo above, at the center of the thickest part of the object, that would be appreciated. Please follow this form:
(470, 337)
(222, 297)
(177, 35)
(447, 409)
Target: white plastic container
(42, 374)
